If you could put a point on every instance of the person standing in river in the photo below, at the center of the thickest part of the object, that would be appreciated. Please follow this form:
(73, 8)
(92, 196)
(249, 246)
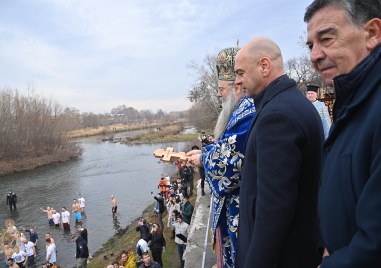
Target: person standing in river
(114, 206)
(11, 200)
(82, 203)
(30, 250)
(20, 257)
(56, 218)
(51, 252)
(76, 211)
(82, 251)
(65, 219)
(49, 212)
(33, 236)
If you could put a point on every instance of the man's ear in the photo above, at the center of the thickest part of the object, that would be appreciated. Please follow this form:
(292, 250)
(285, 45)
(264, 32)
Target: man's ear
(373, 33)
(265, 66)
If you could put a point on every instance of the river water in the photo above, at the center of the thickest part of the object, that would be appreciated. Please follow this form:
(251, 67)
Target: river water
(130, 172)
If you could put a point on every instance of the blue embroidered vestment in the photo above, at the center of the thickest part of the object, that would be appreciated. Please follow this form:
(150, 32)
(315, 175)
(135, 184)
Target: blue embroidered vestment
(223, 163)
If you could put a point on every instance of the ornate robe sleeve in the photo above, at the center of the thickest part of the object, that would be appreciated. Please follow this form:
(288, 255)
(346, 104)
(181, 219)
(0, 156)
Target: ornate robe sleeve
(223, 160)
(222, 165)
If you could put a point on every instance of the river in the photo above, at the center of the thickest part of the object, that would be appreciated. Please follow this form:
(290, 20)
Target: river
(130, 172)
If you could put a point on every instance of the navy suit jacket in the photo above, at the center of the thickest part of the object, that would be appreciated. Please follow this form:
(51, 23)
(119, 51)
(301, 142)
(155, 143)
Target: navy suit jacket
(350, 192)
(278, 224)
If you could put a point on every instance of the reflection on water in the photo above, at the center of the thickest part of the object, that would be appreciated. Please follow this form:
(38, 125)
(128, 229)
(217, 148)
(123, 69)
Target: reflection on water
(118, 229)
(128, 172)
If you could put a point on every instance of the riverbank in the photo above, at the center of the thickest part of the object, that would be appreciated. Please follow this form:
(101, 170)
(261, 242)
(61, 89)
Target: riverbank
(115, 128)
(169, 133)
(27, 163)
(160, 133)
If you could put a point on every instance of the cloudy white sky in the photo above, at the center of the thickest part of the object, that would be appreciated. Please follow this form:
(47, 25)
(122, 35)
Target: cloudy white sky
(98, 54)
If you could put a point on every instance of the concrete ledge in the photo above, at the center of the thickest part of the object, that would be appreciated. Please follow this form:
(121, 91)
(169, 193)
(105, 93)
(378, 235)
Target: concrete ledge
(198, 252)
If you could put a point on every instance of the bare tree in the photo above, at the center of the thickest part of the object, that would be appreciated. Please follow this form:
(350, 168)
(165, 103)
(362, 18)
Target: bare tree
(199, 116)
(71, 118)
(147, 115)
(29, 126)
(204, 91)
(300, 68)
(205, 87)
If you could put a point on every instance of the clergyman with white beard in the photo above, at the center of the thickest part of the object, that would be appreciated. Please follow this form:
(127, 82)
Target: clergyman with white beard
(223, 160)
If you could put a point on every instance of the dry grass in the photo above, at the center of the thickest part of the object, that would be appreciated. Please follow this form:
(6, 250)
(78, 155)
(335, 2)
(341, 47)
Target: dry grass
(87, 132)
(169, 133)
(32, 162)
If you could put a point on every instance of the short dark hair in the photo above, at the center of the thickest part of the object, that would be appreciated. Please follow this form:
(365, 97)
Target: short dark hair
(358, 11)
(195, 147)
(145, 253)
(11, 259)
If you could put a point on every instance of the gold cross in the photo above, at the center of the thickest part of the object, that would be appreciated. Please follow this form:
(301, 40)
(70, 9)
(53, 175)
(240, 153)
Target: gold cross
(168, 155)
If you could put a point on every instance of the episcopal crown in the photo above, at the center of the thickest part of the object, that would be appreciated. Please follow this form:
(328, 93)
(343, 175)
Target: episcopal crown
(225, 63)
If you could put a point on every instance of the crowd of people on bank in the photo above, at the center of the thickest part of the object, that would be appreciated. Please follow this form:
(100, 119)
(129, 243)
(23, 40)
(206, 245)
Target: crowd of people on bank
(172, 199)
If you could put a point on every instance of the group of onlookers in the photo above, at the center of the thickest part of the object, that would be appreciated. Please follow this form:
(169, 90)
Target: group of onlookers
(173, 200)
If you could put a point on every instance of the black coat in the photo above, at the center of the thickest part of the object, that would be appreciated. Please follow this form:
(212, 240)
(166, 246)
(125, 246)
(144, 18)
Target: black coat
(11, 198)
(278, 224)
(157, 242)
(82, 250)
(350, 191)
(144, 231)
(187, 211)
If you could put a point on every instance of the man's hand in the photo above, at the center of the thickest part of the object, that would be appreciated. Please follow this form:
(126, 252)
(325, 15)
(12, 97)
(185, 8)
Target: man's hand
(325, 254)
(195, 159)
(190, 153)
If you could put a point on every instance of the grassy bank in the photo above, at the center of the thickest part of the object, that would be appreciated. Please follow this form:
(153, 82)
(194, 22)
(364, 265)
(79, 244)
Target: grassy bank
(170, 133)
(87, 132)
(31, 162)
(111, 250)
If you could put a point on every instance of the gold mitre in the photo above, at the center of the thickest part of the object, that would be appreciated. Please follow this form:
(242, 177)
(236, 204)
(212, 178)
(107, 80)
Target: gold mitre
(225, 63)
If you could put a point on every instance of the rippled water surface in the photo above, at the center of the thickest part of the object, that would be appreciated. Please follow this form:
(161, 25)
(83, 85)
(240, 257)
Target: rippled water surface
(105, 168)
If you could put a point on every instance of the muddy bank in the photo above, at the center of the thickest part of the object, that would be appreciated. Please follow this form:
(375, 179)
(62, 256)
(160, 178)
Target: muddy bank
(29, 163)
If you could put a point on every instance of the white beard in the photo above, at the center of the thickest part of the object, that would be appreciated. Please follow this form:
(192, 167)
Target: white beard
(228, 107)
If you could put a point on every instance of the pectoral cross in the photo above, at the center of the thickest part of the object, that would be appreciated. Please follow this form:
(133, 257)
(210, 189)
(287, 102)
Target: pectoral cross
(168, 155)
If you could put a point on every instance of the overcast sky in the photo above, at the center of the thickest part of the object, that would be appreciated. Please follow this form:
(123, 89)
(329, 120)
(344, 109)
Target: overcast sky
(95, 55)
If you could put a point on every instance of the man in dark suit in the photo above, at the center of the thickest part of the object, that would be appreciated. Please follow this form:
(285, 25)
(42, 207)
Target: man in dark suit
(278, 216)
(345, 42)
